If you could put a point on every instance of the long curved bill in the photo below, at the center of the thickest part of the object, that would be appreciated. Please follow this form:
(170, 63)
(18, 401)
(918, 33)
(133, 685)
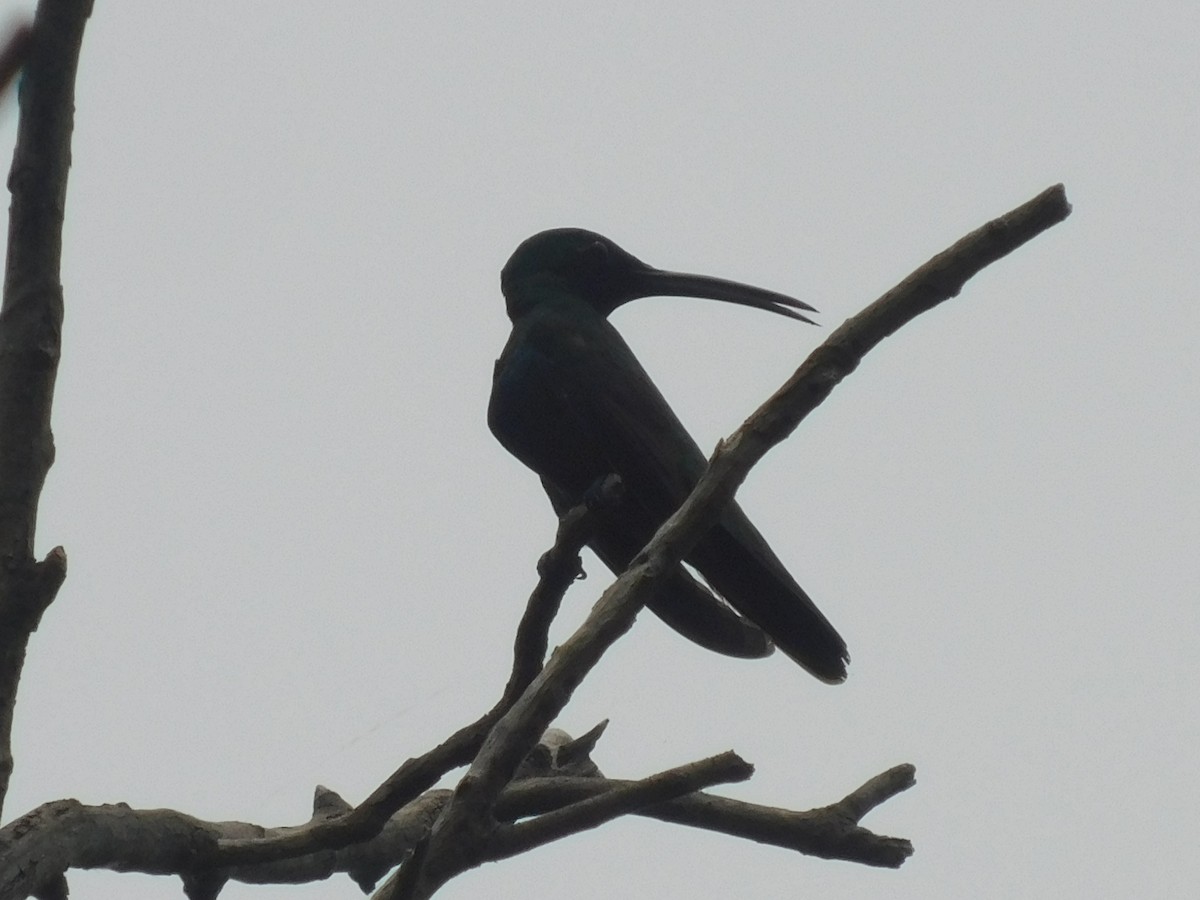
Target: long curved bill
(659, 283)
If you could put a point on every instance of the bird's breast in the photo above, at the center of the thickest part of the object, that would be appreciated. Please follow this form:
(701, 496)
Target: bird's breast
(543, 388)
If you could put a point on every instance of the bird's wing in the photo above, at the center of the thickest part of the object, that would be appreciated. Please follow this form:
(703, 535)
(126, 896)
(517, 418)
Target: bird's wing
(682, 602)
(574, 404)
(613, 408)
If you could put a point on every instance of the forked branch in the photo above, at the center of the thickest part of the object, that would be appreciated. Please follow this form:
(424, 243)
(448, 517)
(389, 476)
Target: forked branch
(460, 837)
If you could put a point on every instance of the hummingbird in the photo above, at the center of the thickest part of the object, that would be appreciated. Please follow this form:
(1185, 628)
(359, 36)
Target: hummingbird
(571, 401)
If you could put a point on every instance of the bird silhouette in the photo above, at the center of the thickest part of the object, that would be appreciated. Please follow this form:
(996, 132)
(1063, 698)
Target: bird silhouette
(571, 401)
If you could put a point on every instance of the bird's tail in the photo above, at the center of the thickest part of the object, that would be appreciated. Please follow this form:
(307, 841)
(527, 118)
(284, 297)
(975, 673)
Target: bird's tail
(736, 560)
(691, 609)
(682, 601)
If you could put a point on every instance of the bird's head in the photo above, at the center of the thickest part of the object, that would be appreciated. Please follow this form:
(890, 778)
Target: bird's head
(593, 268)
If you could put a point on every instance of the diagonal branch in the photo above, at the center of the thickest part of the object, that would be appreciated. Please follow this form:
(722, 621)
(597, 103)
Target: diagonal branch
(510, 840)
(829, 832)
(462, 831)
(557, 571)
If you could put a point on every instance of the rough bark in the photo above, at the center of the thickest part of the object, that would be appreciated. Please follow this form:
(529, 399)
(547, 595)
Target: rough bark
(30, 334)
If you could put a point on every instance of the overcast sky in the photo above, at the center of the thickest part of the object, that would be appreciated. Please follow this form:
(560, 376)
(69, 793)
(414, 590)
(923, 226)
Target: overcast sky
(297, 555)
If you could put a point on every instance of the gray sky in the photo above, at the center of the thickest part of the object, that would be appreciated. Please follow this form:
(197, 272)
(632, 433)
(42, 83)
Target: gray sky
(298, 556)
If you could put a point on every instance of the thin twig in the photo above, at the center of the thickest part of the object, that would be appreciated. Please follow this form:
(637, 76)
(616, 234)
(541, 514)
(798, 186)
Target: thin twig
(557, 572)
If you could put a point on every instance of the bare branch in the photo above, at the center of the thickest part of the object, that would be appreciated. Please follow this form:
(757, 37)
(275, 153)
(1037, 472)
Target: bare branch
(558, 569)
(31, 332)
(38, 849)
(560, 754)
(463, 825)
(878, 790)
(510, 840)
(830, 832)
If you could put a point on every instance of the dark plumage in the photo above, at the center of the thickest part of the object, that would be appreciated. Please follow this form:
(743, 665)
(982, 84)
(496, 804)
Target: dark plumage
(570, 400)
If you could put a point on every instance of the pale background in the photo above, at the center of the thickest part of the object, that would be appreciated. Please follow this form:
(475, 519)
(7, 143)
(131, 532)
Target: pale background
(298, 556)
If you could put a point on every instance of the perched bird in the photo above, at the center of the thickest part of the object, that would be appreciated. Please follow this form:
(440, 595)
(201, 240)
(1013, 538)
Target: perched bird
(570, 401)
